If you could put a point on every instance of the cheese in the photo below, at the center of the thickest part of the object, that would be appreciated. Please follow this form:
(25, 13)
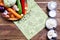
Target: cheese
(52, 13)
(52, 5)
(51, 23)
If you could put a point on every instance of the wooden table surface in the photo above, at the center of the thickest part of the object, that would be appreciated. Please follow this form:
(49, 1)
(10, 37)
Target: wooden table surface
(9, 31)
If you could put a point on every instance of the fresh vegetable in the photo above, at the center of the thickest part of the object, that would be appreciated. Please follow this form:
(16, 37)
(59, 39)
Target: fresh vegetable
(12, 19)
(12, 16)
(23, 6)
(8, 15)
(2, 9)
(26, 8)
(14, 13)
(9, 3)
(15, 8)
(19, 6)
(11, 7)
(1, 3)
(5, 14)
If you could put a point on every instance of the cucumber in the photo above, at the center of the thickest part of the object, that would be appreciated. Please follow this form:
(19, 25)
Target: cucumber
(19, 6)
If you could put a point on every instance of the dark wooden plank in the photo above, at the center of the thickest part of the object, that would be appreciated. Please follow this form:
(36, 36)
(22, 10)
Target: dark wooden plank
(10, 32)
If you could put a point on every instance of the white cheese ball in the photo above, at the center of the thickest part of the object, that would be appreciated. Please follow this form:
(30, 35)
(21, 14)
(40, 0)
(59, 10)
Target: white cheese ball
(51, 34)
(52, 13)
(51, 23)
(52, 5)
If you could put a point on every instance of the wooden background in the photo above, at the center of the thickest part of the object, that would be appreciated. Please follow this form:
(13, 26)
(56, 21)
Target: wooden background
(9, 31)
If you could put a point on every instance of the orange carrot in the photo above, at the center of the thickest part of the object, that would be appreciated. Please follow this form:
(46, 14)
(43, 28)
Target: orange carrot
(1, 3)
(12, 19)
(14, 13)
(12, 16)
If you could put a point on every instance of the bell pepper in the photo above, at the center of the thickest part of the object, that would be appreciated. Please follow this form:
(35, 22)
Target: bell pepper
(24, 6)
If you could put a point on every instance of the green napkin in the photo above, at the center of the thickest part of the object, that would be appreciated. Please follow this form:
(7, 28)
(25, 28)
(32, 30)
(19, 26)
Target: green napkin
(33, 22)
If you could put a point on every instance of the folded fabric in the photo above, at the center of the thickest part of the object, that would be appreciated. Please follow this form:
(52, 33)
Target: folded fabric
(33, 22)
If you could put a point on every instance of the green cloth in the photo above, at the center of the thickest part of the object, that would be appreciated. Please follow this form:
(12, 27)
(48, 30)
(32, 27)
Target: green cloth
(33, 22)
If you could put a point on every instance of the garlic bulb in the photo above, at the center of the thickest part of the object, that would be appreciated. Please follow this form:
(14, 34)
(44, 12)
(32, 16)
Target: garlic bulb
(52, 5)
(51, 23)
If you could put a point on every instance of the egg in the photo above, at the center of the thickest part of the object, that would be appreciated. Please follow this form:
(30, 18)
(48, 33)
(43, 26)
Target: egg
(51, 23)
(52, 13)
(52, 5)
(52, 34)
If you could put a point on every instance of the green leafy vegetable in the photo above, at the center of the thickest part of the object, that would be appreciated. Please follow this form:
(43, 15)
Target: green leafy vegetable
(9, 3)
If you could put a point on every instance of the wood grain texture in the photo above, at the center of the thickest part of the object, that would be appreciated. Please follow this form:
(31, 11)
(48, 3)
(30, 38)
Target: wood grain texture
(9, 31)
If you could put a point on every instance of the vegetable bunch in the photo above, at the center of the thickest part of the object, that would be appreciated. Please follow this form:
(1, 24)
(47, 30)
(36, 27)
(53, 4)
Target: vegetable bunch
(13, 9)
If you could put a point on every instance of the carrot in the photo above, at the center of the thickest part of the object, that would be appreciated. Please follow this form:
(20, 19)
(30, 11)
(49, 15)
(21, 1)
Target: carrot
(14, 13)
(12, 19)
(12, 16)
(1, 3)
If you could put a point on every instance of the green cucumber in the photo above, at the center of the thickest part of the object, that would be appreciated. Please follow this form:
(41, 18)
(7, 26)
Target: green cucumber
(19, 6)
